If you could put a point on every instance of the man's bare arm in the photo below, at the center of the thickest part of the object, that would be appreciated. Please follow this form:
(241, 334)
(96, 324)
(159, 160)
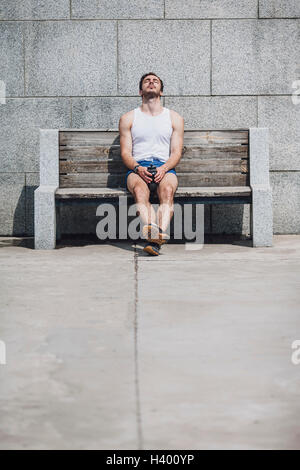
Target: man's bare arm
(126, 141)
(176, 142)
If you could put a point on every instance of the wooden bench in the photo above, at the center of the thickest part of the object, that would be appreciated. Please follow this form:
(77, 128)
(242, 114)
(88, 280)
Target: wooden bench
(217, 166)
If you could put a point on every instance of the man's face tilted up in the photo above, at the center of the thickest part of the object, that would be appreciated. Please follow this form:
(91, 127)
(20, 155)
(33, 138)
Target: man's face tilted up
(151, 87)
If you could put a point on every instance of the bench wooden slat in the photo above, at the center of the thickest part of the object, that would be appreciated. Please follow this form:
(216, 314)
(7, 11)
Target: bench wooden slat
(88, 138)
(208, 138)
(184, 179)
(84, 193)
(90, 152)
(189, 152)
(213, 191)
(185, 166)
(216, 151)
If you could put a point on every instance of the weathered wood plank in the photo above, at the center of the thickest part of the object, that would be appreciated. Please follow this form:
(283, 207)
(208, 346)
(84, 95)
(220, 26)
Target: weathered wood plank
(212, 138)
(212, 179)
(198, 151)
(192, 152)
(75, 138)
(67, 152)
(207, 138)
(217, 165)
(104, 166)
(211, 191)
(92, 180)
(84, 193)
(185, 179)
(185, 166)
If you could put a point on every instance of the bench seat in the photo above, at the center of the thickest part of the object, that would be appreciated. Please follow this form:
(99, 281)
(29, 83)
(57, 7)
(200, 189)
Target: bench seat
(217, 191)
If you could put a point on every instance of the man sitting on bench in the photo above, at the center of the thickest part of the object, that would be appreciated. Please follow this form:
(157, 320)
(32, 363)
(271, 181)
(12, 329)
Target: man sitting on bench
(152, 135)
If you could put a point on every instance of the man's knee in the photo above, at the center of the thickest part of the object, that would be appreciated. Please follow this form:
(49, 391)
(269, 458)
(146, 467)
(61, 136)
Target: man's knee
(141, 193)
(167, 192)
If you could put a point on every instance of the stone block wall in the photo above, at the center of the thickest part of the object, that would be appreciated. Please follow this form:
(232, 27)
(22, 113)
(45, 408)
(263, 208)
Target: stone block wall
(77, 63)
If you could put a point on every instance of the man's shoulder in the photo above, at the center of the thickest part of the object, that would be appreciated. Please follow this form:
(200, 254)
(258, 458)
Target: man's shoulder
(127, 116)
(126, 120)
(176, 117)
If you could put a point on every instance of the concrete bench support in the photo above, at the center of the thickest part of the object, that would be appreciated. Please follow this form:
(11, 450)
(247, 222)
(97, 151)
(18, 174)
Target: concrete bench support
(261, 207)
(44, 195)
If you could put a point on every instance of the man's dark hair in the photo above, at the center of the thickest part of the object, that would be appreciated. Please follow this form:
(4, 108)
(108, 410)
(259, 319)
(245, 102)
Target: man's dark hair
(151, 73)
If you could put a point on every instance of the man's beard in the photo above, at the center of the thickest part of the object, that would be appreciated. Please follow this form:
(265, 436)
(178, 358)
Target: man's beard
(151, 94)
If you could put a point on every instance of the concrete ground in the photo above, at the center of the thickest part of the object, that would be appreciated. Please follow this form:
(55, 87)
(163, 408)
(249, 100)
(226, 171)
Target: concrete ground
(109, 348)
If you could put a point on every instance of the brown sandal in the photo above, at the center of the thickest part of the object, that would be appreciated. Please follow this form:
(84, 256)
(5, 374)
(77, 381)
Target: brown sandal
(153, 233)
(152, 249)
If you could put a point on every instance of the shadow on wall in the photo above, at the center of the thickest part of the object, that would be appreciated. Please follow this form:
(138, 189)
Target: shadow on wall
(14, 210)
(30, 209)
(116, 170)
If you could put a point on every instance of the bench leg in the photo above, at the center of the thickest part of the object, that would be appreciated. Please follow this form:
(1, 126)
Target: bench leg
(261, 216)
(58, 221)
(44, 218)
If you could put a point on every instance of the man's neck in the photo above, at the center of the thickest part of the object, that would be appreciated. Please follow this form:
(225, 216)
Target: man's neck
(152, 106)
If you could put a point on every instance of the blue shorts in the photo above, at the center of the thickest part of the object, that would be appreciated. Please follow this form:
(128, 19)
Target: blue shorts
(154, 161)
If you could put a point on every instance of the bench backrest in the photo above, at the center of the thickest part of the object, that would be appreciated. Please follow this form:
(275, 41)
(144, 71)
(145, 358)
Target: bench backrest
(91, 158)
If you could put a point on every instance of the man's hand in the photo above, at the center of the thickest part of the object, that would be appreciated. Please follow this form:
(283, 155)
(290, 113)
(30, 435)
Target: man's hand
(144, 174)
(160, 173)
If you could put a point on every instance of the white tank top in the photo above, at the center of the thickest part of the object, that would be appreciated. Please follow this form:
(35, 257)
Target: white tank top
(151, 135)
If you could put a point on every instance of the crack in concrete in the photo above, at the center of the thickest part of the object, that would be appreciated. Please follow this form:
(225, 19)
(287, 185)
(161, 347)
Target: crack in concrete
(137, 388)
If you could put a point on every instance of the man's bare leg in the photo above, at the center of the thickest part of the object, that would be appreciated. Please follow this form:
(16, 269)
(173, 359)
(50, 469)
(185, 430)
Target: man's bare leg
(141, 193)
(166, 190)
